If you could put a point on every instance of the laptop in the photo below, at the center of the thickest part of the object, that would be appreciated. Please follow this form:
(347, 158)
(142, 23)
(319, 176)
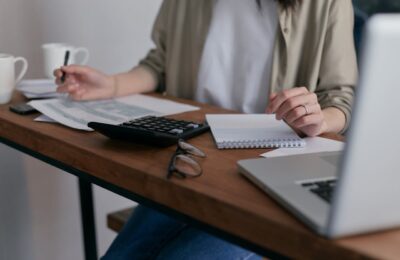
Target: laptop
(358, 190)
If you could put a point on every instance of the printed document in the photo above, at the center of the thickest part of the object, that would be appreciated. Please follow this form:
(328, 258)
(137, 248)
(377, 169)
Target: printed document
(112, 111)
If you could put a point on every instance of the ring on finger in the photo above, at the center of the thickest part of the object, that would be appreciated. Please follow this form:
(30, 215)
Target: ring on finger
(306, 109)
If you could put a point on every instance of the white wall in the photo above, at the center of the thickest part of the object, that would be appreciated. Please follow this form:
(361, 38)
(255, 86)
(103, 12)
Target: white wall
(39, 205)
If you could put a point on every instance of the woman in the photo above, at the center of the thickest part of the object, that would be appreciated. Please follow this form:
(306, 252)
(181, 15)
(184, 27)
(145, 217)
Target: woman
(291, 58)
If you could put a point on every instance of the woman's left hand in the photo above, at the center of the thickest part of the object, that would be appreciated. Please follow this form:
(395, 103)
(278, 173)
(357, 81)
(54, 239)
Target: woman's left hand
(300, 109)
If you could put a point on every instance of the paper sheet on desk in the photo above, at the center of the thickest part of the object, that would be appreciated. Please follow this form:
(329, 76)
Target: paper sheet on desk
(38, 88)
(313, 145)
(113, 111)
(44, 119)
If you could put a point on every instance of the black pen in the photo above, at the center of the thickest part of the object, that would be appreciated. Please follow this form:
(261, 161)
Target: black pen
(66, 58)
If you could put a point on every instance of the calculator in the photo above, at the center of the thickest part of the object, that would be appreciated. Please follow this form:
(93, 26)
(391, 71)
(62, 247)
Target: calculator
(152, 130)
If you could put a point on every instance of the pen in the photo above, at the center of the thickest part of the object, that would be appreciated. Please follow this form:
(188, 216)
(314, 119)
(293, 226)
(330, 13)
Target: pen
(66, 58)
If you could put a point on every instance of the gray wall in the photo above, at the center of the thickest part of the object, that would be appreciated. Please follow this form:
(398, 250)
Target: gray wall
(39, 206)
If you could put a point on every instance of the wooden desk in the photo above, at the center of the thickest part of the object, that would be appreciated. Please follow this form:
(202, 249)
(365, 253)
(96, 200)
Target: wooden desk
(221, 201)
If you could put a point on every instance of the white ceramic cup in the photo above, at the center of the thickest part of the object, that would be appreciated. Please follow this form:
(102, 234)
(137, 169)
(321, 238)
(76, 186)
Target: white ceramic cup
(7, 75)
(54, 54)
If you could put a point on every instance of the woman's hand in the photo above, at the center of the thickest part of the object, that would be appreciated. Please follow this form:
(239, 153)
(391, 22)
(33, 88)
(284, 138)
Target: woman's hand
(300, 109)
(85, 83)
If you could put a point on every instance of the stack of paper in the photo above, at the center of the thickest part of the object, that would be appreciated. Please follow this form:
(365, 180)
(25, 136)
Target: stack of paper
(111, 111)
(38, 88)
(57, 107)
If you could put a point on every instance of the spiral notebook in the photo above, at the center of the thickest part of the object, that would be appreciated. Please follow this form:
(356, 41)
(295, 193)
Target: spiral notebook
(239, 131)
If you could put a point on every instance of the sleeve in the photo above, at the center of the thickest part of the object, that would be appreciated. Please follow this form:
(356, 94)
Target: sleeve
(338, 72)
(156, 58)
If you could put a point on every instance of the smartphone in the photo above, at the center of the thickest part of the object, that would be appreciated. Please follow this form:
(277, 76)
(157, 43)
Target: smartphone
(23, 109)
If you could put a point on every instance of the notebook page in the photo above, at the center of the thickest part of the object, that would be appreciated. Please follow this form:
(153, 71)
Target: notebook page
(249, 128)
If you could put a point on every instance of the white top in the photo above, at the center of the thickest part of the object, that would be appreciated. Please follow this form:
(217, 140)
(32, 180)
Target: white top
(235, 68)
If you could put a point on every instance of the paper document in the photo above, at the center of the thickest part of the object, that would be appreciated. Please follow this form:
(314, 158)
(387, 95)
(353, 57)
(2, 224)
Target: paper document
(44, 118)
(38, 88)
(113, 111)
(313, 145)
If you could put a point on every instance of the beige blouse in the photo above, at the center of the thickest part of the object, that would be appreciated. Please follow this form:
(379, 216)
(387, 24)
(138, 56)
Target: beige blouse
(314, 48)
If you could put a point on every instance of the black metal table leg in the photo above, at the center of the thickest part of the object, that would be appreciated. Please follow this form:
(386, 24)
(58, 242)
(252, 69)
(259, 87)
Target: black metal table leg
(88, 221)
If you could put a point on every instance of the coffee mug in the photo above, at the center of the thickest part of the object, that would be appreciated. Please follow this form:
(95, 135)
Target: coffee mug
(7, 75)
(54, 54)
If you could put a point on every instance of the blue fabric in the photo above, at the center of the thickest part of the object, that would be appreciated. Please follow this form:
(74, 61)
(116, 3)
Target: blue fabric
(151, 235)
(359, 21)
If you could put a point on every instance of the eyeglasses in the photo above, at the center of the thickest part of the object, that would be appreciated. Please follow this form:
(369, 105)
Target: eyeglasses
(182, 164)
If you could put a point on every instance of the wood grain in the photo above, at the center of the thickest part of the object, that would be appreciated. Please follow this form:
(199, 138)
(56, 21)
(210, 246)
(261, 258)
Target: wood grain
(221, 197)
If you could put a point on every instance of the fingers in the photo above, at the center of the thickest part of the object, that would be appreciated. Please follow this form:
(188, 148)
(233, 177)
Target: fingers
(74, 91)
(69, 79)
(273, 96)
(78, 94)
(83, 83)
(70, 85)
(72, 71)
(310, 125)
(57, 73)
(313, 119)
(68, 88)
(281, 97)
(294, 102)
(76, 69)
(301, 111)
(81, 94)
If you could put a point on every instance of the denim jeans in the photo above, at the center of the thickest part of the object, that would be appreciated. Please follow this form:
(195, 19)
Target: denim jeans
(151, 235)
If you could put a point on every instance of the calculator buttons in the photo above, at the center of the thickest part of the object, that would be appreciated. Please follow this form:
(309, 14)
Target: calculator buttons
(191, 125)
(176, 131)
(161, 125)
(159, 131)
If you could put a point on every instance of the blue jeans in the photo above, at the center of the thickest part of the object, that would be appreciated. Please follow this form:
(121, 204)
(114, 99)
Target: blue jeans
(151, 235)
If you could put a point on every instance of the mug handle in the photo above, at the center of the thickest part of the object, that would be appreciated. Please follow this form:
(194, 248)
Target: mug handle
(23, 69)
(85, 53)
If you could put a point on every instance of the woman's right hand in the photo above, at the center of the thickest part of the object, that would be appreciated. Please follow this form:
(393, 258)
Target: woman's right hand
(85, 83)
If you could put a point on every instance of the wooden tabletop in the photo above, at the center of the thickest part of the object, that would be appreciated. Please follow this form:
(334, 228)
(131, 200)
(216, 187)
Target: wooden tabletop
(221, 197)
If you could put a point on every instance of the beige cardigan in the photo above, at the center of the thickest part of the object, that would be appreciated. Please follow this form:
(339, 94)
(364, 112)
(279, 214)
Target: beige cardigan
(314, 48)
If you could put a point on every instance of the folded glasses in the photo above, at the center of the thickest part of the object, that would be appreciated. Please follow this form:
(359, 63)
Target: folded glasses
(182, 163)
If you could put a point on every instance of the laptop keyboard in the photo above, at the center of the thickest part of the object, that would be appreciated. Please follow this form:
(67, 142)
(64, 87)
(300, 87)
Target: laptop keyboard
(324, 189)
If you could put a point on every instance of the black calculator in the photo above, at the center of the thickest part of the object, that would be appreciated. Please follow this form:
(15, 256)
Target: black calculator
(153, 130)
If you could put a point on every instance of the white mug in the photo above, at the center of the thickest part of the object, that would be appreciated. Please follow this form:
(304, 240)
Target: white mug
(54, 54)
(7, 75)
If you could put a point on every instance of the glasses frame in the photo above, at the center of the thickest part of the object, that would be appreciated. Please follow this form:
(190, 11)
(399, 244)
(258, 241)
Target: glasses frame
(180, 151)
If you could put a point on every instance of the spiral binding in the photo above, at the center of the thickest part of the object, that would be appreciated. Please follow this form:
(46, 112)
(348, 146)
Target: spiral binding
(268, 143)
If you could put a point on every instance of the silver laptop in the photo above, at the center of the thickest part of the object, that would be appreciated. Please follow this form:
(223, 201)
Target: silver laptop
(357, 191)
